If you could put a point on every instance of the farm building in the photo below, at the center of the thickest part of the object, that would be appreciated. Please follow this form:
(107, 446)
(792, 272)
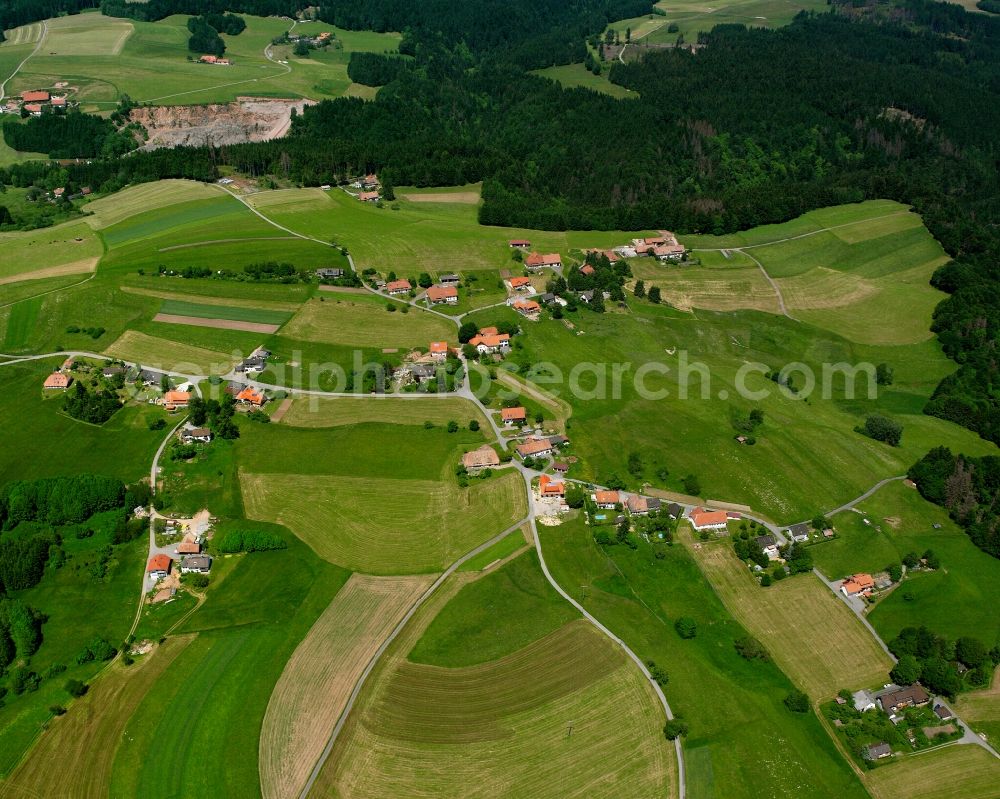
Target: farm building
(527, 308)
(877, 751)
(449, 280)
(329, 273)
(587, 269)
(895, 699)
(57, 380)
(176, 400)
(513, 416)
(863, 701)
(483, 458)
(519, 244)
(606, 500)
(857, 585)
(560, 467)
(637, 505)
(548, 488)
(369, 181)
(537, 260)
(395, 287)
(36, 96)
(674, 510)
(438, 349)
(159, 566)
(200, 564)
(196, 435)
(215, 61)
(369, 197)
(520, 283)
(799, 532)
(150, 378)
(534, 448)
(188, 548)
(33, 108)
(251, 396)
(490, 343)
(702, 519)
(438, 295)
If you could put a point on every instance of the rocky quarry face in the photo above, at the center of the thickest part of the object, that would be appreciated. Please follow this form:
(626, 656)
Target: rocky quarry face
(247, 119)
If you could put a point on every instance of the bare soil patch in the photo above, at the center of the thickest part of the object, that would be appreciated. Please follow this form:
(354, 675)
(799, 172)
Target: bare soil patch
(73, 268)
(467, 197)
(279, 414)
(248, 119)
(221, 324)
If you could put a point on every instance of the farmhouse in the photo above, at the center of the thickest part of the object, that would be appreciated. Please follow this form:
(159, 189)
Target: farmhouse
(606, 500)
(368, 197)
(33, 108)
(637, 505)
(37, 96)
(895, 698)
(857, 584)
(442, 294)
(176, 400)
(519, 244)
(421, 372)
(702, 519)
(513, 416)
(558, 441)
(58, 102)
(251, 396)
(653, 504)
(449, 280)
(520, 284)
(211, 59)
(863, 701)
(395, 287)
(877, 751)
(527, 308)
(560, 467)
(329, 274)
(534, 448)
(369, 181)
(150, 378)
(438, 350)
(158, 566)
(538, 260)
(191, 435)
(57, 380)
(769, 544)
(200, 564)
(486, 344)
(668, 252)
(188, 548)
(483, 458)
(943, 712)
(665, 246)
(547, 488)
(112, 371)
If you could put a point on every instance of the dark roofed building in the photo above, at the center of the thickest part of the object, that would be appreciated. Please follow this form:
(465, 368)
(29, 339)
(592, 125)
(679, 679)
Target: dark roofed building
(449, 280)
(877, 751)
(799, 532)
(653, 503)
(196, 563)
(674, 510)
(330, 274)
(896, 698)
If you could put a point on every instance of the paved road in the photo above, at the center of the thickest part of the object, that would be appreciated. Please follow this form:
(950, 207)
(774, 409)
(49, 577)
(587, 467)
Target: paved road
(387, 643)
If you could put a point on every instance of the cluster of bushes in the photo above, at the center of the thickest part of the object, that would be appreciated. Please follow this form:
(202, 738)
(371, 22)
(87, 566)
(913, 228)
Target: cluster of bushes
(23, 555)
(934, 660)
(95, 406)
(969, 488)
(882, 428)
(249, 541)
(20, 631)
(98, 649)
(746, 425)
(93, 332)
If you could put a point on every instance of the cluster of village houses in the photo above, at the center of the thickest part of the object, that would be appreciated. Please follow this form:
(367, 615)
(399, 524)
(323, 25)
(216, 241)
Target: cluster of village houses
(895, 700)
(37, 102)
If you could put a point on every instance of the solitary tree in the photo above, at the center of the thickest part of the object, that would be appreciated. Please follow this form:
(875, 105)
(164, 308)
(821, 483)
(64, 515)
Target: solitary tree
(640, 288)
(654, 294)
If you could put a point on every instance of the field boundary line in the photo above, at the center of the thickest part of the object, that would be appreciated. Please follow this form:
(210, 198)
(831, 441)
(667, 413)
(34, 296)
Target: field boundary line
(223, 241)
(388, 641)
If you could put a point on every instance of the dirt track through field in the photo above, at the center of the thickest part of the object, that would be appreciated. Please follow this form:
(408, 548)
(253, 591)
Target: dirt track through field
(279, 414)
(221, 324)
(314, 687)
(80, 267)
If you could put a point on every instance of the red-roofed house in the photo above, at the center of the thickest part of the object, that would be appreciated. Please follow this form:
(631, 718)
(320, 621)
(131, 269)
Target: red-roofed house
(520, 283)
(669, 252)
(33, 108)
(368, 196)
(519, 244)
(606, 499)
(189, 548)
(251, 396)
(442, 294)
(39, 96)
(486, 344)
(858, 584)
(538, 260)
(59, 102)
(483, 458)
(439, 349)
(369, 180)
(57, 380)
(702, 519)
(159, 566)
(637, 505)
(528, 308)
(547, 488)
(587, 269)
(175, 400)
(395, 287)
(512, 416)
(534, 448)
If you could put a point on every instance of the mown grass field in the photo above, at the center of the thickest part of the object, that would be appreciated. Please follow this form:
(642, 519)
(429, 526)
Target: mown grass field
(364, 321)
(321, 673)
(956, 772)
(385, 525)
(958, 599)
(83, 742)
(174, 356)
(740, 733)
(235, 313)
(981, 710)
(334, 412)
(105, 58)
(503, 727)
(810, 633)
(494, 616)
(69, 248)
(203, 717)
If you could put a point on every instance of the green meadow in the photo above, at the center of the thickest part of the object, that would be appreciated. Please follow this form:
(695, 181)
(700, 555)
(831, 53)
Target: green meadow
(740, 732)
(204, 311)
